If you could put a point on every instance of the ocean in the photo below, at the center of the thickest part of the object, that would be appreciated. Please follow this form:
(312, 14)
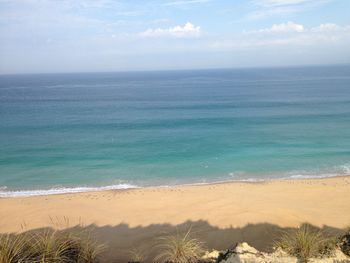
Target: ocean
(80, 132)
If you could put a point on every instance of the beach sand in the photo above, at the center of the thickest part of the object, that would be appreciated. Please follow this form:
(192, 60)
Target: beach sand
(221, 214)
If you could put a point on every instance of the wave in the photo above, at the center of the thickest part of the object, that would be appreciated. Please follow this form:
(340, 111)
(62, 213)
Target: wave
(342, 170)
(63, 190)
(339, 170)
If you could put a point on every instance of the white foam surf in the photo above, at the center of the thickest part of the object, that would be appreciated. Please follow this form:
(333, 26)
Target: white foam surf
(342, 170)
(63, 190)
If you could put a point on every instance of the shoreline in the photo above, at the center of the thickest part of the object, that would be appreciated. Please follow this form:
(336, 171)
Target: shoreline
(220, 214)
(125, 186)
(283, 202)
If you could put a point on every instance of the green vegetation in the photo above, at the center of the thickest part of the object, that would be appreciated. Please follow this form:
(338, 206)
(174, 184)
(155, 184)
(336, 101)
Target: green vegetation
(76, 246)
(49, 247)
(137, 255)
(179, 249)
(344, 242)
(305, 243)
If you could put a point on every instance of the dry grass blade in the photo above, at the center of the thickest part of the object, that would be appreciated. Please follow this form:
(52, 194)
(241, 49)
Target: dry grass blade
(304, 244)
(52, 246)
(90, 250)
(49, 247)
(14, 248)
(179, 249)
(344, 242)
(137, 255)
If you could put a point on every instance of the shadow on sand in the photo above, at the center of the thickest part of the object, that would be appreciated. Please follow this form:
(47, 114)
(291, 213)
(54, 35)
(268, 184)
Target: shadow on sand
(121, 239)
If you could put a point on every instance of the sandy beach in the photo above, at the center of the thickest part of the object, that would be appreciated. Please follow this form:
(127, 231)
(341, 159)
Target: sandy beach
(250, 211)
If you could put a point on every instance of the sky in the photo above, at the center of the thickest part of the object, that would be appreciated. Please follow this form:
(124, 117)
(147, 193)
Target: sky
(46, 36)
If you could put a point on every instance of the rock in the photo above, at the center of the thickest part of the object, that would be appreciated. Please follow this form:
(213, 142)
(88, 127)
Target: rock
(210, 256)
(338, 257)
(243, 253)
(244, 248)
(223, 255)
(279, 252)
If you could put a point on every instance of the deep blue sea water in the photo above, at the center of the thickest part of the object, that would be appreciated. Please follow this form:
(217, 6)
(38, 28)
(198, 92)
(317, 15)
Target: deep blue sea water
(74, 132)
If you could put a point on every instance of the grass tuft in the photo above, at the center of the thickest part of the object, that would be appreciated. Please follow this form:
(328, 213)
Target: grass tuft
(137, 255)
(179, 249)
(344, 242)
(14, 248)
(49, 247)
(304, 243)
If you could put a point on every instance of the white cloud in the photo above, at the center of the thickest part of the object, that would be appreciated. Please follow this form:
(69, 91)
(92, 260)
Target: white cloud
(187, 30)
(284, 28)
(325, 27)
(327, 34)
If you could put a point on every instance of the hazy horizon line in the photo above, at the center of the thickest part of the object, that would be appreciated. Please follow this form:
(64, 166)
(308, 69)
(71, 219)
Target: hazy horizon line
(177, 70)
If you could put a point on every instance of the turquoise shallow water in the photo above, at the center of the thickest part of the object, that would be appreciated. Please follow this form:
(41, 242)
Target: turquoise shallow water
(76, 132)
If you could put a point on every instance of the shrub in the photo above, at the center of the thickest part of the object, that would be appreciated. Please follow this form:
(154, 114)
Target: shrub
(14, 248)
(304, 243)
(179, 249)
(344, 242)
(49, 247)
